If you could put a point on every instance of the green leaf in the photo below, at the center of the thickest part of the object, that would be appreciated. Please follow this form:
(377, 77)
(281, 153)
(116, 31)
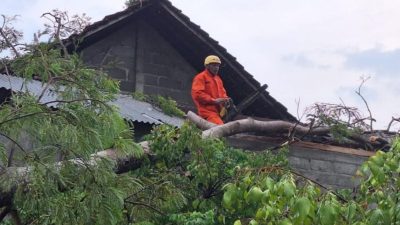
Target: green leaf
(327, 214)
(237, 222)
(350, 212)
(285, 222)
(289, 188)
(253, 222)
(376, 217)
(302, 206)
(255, 195)
(261, 214)
(227, 199)
(269, 183)
(377, 172)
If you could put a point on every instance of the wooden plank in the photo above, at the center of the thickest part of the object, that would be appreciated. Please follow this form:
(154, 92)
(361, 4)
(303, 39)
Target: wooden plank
(332, 148)
(305, 144)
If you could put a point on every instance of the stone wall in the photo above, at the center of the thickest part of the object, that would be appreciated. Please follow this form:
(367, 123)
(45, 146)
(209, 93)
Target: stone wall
(143, 61)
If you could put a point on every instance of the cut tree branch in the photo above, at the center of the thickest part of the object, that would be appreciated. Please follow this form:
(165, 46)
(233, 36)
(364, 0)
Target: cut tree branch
(251, 125)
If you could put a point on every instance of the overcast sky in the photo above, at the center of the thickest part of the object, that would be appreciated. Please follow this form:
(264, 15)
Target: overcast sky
(308, 51)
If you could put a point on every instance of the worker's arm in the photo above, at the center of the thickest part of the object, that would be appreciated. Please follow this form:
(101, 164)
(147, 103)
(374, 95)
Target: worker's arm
(224, 98)
(199, 93)
(224, 92)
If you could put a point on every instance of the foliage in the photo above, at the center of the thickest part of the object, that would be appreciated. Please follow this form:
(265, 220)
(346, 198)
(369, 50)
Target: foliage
(187, 181)
(281, 201)
(167, 105)
(69, 121)
(193, 218)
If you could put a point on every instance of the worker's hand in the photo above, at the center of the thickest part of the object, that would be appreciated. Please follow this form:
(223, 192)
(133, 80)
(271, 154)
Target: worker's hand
(221, 101)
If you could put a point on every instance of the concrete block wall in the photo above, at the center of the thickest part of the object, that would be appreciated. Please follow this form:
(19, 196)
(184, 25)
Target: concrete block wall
(332, 166)
(161, 70)
(115, 54)
(333, 169)
(142, 60)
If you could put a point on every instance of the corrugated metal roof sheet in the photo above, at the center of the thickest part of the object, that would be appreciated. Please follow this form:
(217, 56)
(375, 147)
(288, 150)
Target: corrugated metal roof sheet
(18, 84)
(129, 108)
(143, 112)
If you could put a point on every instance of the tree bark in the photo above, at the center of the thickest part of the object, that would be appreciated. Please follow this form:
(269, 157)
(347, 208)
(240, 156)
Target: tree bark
(251, 125)
(199, 122)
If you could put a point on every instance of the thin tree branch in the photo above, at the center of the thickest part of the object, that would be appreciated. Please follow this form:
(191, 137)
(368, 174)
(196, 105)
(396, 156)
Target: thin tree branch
(319, 184)
(11, 156)
(76, 100)
(147, 206)
(13, 141)
(27, 115)
(45, 89)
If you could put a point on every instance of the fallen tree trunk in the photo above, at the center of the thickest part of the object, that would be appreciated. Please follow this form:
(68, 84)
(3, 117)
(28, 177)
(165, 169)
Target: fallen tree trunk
(251, 125)
(19, 175)
(199, 122)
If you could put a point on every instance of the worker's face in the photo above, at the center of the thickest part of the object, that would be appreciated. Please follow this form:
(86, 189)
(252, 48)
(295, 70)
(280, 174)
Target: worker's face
(213, 68)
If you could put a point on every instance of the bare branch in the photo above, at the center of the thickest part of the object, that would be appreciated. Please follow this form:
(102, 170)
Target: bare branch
(57, 19)
(358, 92)
(62, 26)
(327, 114)
(10, 36)
(391, 122)
(297, 110)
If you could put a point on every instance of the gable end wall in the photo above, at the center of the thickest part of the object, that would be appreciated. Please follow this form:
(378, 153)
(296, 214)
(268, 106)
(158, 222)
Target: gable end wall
(143, 61)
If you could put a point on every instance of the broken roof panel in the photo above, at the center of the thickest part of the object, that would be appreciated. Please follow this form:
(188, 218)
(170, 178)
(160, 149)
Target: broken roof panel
(129, 108)
(143, 112)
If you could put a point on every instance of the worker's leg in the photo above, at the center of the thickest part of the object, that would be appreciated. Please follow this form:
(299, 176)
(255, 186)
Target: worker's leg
(214, 119)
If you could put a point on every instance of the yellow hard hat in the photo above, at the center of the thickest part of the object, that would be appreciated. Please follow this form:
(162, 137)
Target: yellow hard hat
(212, 59)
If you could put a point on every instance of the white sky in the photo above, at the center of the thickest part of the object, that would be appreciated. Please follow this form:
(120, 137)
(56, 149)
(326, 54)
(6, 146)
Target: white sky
(312, 51)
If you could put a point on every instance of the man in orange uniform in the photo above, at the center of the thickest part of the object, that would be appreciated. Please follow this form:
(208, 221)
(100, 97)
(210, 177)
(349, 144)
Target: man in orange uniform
(208, 91)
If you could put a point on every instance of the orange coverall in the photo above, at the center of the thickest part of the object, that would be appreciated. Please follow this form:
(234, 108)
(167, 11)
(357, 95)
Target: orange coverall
(205, 89)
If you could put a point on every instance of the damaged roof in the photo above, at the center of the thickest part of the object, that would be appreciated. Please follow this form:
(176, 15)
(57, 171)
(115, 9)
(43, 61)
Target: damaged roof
(129, 108)
(193, 44)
